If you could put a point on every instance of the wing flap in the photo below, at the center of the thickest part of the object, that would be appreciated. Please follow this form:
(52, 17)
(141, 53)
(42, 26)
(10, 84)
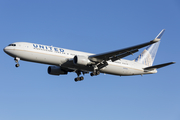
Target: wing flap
(123, 55)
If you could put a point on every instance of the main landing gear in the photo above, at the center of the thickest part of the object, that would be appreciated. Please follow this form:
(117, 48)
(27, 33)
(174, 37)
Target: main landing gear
(96, 72)
(79, 78)
(17, 61)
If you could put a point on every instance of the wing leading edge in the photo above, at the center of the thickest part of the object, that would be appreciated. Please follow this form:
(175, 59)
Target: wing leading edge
(118, 54)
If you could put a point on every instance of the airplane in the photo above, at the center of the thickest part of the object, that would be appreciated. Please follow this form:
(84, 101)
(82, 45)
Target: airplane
(62, 60)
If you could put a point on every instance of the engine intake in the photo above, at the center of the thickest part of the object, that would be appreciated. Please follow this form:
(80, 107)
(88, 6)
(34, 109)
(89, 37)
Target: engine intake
(56, 70)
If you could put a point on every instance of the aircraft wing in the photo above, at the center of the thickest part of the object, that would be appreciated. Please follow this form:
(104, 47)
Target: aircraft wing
(157, 66)
(118, 54)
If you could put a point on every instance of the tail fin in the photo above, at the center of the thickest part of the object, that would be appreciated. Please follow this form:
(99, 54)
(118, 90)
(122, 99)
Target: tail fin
(148, 55)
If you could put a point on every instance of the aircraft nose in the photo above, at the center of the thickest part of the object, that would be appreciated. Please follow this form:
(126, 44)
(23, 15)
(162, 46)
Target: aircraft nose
(5, 49)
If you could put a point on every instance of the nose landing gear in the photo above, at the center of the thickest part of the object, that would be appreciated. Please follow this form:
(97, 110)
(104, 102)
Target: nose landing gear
(17, 61)
(17, 65)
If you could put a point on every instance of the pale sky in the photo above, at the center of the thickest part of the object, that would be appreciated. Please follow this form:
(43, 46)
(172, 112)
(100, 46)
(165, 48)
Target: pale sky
(96, 26)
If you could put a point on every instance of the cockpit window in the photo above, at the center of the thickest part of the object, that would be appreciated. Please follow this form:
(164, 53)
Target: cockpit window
(12, 45)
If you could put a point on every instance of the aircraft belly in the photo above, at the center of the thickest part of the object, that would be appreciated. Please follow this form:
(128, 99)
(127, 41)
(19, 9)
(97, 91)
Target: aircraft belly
(121, 70)
(71, 65)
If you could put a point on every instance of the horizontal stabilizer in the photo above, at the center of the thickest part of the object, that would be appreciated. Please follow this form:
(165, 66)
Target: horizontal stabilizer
(157, 66)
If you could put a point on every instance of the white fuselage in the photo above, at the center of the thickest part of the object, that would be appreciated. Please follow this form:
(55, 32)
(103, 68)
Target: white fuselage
(59, 56)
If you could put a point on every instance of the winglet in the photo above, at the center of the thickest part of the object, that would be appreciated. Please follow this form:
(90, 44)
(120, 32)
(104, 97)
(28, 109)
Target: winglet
(158, 37)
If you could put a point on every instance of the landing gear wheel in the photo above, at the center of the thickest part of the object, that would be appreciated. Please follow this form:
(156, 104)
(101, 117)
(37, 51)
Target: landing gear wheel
(92, 74)
(81, 78)
(78, 74)
(75, 79)
(97, 72)
(17, 65)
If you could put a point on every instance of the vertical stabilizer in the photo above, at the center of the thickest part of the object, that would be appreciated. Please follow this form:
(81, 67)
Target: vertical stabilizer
(148, 55)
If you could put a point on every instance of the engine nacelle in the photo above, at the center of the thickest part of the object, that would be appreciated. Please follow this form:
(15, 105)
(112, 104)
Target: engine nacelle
(81, 60)
(56, 70)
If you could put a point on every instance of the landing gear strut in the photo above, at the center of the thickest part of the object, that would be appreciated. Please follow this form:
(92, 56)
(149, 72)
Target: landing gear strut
(17, 61)
(78, 78)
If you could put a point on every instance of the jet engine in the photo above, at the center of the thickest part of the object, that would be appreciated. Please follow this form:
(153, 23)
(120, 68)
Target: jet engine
(81, 60)
(56, 70)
